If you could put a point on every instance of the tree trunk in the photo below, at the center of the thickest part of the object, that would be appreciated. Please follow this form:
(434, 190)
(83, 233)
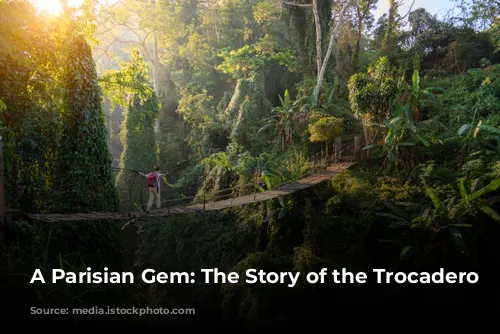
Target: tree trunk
(262, 77)
(391, 22)
(317, 24)
(156, 68)
(335, 28)
(366, 131)
(338, 148)
(357, 50)
(337, 67)
(326, 149)
(357, 148)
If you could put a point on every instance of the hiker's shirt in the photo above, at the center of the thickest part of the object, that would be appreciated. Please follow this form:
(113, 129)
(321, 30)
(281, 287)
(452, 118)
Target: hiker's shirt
(158, 175)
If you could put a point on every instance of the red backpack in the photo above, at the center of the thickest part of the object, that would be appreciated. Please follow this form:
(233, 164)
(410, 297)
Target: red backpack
(152, 180)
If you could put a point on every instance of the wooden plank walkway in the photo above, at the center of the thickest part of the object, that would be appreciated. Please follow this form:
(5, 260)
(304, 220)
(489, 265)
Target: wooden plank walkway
(284, 189)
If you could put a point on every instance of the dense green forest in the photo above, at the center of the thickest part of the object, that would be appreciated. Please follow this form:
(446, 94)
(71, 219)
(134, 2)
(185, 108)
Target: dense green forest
(226, 93)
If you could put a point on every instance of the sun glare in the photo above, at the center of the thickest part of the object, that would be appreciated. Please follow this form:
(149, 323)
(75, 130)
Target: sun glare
(53, 7)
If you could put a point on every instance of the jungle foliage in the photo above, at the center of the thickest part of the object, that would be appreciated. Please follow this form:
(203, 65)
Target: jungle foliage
(230, 96)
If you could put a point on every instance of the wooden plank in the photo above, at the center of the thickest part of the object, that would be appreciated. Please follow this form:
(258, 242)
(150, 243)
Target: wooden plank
(282, 190)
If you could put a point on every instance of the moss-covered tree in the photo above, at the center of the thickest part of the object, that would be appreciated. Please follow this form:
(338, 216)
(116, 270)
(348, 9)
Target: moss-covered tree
(372, 95)
(84, 179)
(138, 139)
(247, 109)
(130, 88)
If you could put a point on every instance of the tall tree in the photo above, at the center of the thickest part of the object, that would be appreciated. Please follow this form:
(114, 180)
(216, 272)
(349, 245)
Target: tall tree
(29, 70)
(130, 88)
(84, 178)
(364, 19)
(335, 23)
(480, 14)
(392, 26)
(154, 28)
(390, 32)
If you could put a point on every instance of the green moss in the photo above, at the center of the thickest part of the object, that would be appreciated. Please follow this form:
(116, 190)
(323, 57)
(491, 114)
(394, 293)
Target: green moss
(84, 179)
(247, 108)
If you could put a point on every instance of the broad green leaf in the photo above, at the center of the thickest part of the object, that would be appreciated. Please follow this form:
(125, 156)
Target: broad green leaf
(490, 129)
(370, 146)
(463, 129)
(410, 205)
(395, 120)
(455, 213)
(396, 210)
(492, 186)
(419, 220)
(283, 212)
(478, 128)
(423, 140)
(268, 183)
(461, 187)
(407, 252)
(409, 116)
(281, 100)
(406, 144)
(415, 80)
(304, 108)
(435, 200)
(287, 98)
(296, 102)
(484, 207)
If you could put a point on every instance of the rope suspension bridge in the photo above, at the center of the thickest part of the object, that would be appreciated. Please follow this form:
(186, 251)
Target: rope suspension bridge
(220, 200)
(211, 204)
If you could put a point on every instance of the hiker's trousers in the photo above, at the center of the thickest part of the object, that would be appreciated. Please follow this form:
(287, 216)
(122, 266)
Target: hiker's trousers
(154, 194)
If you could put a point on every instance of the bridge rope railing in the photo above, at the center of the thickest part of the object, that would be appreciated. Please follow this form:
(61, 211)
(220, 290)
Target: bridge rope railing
(257, 186)
(201, 195)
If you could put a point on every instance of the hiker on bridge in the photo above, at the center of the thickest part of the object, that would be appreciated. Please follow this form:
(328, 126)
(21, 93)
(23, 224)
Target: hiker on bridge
(154, 187)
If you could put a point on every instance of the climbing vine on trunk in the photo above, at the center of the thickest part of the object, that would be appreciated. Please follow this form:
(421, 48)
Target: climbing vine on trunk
(84, 178)
(130, 88)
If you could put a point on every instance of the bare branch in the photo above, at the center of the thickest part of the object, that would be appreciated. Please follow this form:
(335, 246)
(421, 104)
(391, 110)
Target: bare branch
(105, 31)
(303, 5)
(145, 48)
(127, 7)
(123, 24)
(117, 40)
(409, 10)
